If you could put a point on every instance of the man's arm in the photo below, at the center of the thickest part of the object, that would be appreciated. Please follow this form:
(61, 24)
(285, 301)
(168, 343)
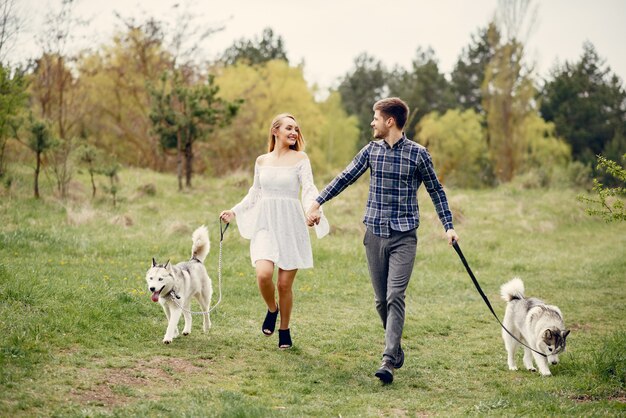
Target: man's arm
(437, 195)
(352, 172)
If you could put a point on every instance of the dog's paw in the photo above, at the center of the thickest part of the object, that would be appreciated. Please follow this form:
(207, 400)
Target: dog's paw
(514, 368)
(532, 369)
(185, 333)
(167, 340)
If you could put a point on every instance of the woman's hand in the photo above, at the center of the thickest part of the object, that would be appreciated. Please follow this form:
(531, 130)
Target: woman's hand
(227, 216)
(313, 215)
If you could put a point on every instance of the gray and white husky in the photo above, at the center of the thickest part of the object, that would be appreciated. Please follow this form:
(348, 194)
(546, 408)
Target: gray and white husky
(538, 325)
(174, 286)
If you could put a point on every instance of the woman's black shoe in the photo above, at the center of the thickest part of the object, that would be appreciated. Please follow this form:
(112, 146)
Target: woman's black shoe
(269, 324)
(284, 339)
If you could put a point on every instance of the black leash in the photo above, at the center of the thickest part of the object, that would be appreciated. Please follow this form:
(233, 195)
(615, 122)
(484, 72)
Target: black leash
(223, 230)
(455, 244)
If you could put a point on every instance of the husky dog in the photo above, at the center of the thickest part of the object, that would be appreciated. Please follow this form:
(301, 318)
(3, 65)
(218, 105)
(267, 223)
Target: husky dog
(538, 325)
(174, 286)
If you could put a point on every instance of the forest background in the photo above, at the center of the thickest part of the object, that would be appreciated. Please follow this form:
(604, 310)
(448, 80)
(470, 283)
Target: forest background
(145, 99)
(108, 130)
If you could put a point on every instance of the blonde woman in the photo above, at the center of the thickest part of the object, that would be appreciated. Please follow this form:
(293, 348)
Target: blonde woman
(272, 217)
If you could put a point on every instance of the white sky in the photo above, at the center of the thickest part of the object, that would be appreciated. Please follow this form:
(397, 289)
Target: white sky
(328, 34)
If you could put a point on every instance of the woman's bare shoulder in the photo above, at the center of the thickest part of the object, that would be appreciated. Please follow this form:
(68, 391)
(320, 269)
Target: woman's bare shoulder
(262, 159)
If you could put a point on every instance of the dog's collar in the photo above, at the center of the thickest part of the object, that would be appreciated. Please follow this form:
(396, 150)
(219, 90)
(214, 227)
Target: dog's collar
(174, 294)
(195, 259)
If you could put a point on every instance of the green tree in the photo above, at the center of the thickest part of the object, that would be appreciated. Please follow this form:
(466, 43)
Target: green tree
(610, 201)
(187, 112)
(115, 78)
(111, 171)
(90, 157)
(40, 140)
(257, 51)
(13, 99)
(267, 90)
(424, 88)
(508, 91)
(360, 88)
(587, 104)
(469, 71)
(459, 147)
(336, 143)
(545, 151)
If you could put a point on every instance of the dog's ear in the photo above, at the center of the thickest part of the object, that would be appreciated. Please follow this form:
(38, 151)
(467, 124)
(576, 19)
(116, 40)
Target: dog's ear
(547, 335)
(565, 333)
(154, 263)
(167, 265)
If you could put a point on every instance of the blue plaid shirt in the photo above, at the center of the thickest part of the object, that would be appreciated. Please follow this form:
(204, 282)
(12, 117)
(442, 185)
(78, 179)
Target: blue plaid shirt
(396, 174)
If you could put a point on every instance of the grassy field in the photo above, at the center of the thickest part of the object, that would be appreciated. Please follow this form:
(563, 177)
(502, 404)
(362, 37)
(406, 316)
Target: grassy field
(79, 335)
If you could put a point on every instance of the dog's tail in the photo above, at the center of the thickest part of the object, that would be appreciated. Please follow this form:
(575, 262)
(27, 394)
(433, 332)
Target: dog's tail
(201, 244)
(513, 289)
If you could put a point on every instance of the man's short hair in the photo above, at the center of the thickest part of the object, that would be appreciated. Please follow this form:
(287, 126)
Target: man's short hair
(395, 108)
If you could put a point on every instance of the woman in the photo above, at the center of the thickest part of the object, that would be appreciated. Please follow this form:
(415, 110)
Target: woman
(272, 218)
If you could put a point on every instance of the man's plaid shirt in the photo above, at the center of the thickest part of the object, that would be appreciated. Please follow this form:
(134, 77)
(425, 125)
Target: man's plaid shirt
(396, 174)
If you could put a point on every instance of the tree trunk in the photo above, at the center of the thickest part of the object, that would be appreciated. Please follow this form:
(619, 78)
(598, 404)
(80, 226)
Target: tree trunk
(179, 161)
(189, 162)
(93, 184)
(37, 175)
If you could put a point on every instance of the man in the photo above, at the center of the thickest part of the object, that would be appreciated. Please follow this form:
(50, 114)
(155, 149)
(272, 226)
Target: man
(398, 166)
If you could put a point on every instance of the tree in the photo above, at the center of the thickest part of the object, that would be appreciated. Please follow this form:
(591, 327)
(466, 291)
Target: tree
(256, 51)
(90, 156)
(424, 88)
(508, 92)
(188, 112)
(116, 79)
(10, 26)
(587, 104)
(111, 171)
(56, 92)
(337, 140)
(40, 141)
(360, 89)
(469, 71)
(545, 151)
(13, 99)
(610, 202)
(267, 90)
(458, 145)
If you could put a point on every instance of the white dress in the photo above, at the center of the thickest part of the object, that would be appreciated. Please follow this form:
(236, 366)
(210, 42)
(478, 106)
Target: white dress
(272, 217)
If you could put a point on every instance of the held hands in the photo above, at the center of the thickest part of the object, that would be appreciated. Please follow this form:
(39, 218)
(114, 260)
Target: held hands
(313, 215)
(452, 236)
(227, 216)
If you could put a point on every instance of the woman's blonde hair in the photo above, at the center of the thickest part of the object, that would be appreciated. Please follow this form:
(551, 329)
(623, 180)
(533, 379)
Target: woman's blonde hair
(276, 123)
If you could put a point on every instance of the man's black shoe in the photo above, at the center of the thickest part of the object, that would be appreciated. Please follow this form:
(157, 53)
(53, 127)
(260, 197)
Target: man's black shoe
(399, 359)
(385, 372)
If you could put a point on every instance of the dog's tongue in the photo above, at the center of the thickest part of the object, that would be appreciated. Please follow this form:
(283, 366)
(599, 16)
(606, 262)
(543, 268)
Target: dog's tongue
(155, 296)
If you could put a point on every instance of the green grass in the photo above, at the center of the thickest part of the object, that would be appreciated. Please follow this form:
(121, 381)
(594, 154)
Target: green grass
(79, 335)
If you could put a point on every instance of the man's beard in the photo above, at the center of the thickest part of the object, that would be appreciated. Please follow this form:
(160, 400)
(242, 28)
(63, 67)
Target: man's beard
(379, 134)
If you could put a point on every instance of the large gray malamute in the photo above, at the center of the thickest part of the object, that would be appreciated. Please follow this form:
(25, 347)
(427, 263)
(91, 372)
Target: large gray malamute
(538, 325)
(174, 286)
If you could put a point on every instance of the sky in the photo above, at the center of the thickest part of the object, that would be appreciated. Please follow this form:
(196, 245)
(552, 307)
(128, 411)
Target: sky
(327, 35)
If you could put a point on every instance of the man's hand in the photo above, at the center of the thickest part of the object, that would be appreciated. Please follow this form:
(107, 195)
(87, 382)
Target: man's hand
(452, 236)
(313, 215)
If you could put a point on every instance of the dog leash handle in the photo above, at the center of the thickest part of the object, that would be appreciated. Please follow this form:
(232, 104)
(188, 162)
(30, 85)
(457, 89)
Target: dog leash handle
(223, 229)
(456, 247)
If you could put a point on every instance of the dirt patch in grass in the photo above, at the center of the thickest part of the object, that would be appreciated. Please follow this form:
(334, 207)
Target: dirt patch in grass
(590, 398)
(146, 380)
